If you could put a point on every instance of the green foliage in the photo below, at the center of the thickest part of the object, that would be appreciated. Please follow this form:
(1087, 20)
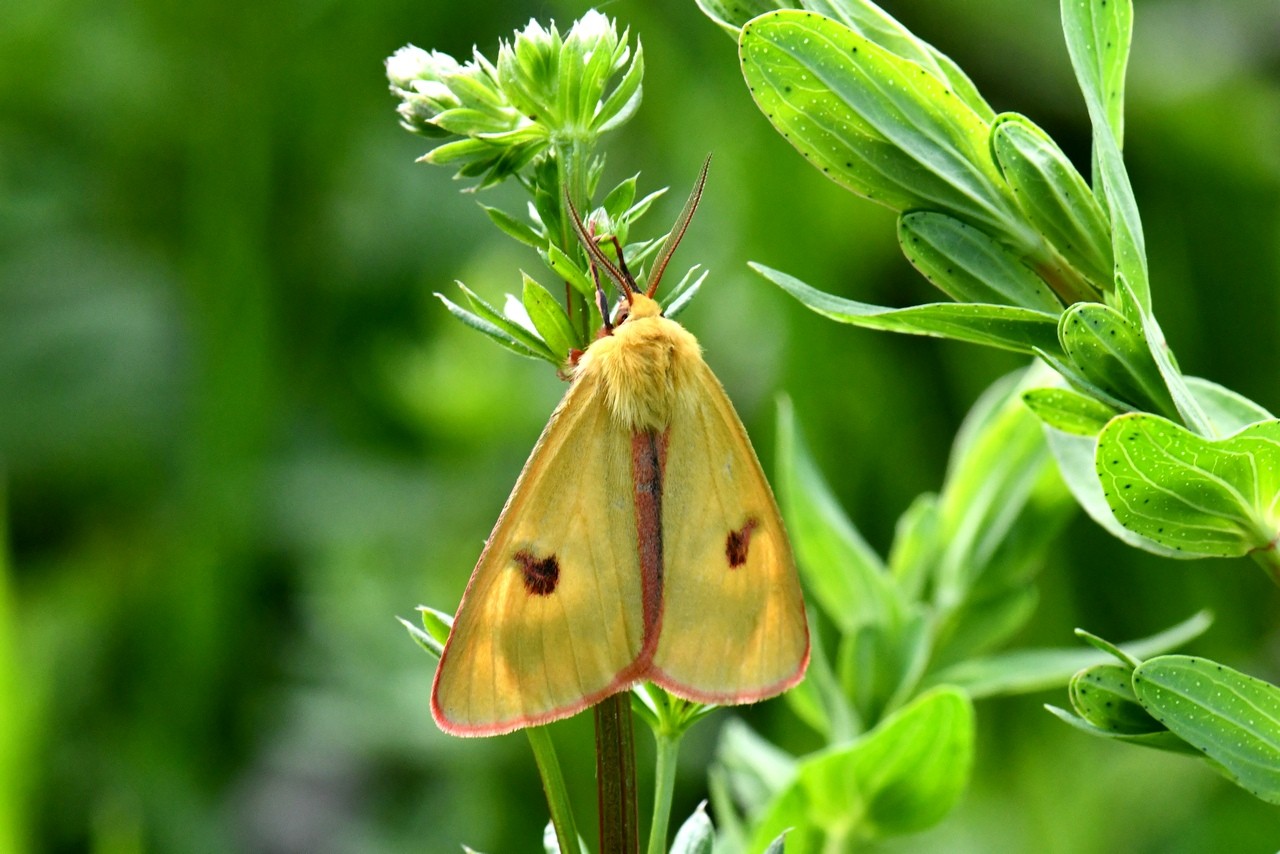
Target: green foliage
(900, 778)
(1185, 705)
(989, 205)
(916, 638)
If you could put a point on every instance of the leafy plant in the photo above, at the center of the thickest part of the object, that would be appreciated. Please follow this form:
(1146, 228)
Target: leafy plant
(1038, 260)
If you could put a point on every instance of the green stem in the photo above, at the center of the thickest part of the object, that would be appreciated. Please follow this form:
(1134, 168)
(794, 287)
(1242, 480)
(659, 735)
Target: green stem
(573, 158)
(616, 776)
(12, 717)
(1269, 560)
(544, 754)
(668, 744)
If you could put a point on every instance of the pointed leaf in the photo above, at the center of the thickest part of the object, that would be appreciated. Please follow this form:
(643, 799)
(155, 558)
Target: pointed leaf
(566, 268)
(696, 835)
(845, 577)
(548, 318)
(969, 265)
(1110, 353)
(1026, 670)
(520, 332)
(1226, 410)
(1103, 695)
(493, 331)
(1068, 411)
(683, 293)
(880, 125)
(1056, 200)
(1098, 33)
(1163, 740)
(422, 639)
(1019, 329)
(513, 227)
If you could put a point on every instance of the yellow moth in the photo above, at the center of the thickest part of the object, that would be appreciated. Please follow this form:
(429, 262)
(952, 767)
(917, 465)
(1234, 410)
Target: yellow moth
(641, 543)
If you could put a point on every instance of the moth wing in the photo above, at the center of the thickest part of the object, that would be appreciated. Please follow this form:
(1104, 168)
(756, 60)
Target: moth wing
(520, 654)
(733, 627)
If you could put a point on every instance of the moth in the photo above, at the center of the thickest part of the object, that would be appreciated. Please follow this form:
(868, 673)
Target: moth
(641, 541)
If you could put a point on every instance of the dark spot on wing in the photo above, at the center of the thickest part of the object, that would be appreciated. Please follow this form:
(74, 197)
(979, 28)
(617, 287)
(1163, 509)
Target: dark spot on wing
(737, 544)
(540, 574)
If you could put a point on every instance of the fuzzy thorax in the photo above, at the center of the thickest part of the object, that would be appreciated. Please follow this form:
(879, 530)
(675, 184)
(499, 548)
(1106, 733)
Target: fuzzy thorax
(645, 368)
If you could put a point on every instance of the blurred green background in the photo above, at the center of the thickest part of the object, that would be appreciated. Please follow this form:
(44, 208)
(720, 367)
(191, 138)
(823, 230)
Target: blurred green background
(239, 435)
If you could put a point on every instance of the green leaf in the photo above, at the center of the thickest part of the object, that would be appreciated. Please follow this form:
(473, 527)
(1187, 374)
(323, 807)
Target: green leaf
(548, 318)
(513, 227)
(620, 198)
(1163, 740)
(999, 510)
(1234, 719)
(879, 667)
(866, 19)
(434, 631)
(1110, 353)
(873, 23)
(1057, 202)
(565, 267)
(518, 331)
(731, 15)
(902, 777)
(915, 546)
(1098, 33)
(756, 770)
(438, 624)
(880, 125)
(696, 835)
(1075, 455)
(1019, 329)
(842, 573)
(1111, 649)
(1098, 36)
(1188, 407)
(624, 100)
(1227, 411)
(969, 265)
(500, 330)
(1026, 670)
(1196, 496)
(819, 700)
(1068, 411)
(682, 294)
(422, 639)
(778, 845)
(1103, 695)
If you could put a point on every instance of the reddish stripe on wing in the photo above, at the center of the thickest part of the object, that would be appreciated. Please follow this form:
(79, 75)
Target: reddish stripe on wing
(648, 461)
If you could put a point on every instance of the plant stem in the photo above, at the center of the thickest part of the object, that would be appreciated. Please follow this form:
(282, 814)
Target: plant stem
(1269, 560)
(668, 745)
(544, 754)
(616, 776)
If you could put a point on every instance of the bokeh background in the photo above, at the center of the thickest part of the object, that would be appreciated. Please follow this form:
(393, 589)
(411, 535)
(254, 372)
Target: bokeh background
(239, 436)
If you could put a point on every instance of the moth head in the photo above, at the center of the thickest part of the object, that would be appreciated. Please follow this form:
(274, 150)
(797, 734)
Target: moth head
(636, 302)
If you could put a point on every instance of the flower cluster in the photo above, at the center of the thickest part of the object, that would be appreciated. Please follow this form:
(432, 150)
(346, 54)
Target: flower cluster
(544, 91)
